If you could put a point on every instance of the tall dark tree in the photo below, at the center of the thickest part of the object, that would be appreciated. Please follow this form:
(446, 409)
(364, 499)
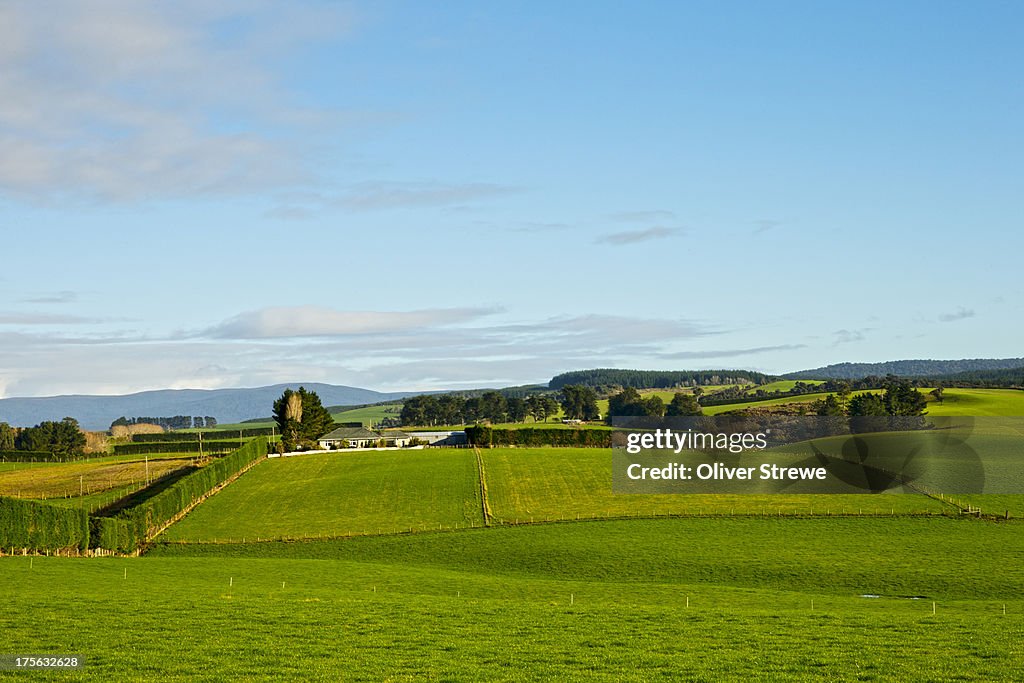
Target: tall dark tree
(316, 419)
(683, 405)
(7, 437)
(473, 409)
(449, 409)
(550, 406)
(867, 405)
(579, 402)
(517, 410)
(830, 405)
(542, 406)
(63, 438)
(901, 399)
(420, 410)
(626, 402)
(493, 406)
(654, 406)
(301, 418)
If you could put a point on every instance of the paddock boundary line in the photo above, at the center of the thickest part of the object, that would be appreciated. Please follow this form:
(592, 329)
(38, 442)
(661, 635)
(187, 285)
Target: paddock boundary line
(485, 504)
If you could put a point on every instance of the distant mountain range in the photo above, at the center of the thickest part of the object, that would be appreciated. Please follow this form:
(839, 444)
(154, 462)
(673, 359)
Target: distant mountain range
(906, 368)
(238, 405)
(227, 405)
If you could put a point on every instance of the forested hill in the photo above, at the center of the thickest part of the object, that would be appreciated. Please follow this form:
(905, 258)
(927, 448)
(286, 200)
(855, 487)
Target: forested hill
(907, 368)
(655, 379)
(1013, 377)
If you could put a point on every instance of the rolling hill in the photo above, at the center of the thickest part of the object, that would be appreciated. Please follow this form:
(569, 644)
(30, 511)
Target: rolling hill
(227, 405)
(906, 368)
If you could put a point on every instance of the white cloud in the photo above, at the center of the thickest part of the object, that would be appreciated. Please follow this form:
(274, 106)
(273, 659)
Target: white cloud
(16, 318)
(315, 321)
(421, 349)
(63, 297)
(730, 353)
(125, 100)
(845, 336)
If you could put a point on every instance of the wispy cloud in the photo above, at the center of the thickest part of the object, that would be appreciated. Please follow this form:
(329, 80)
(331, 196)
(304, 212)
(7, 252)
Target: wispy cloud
(845, 336)
(959, 314)
(535, 227)
(64, 297)
(397, 195)
(765, 225)
(637, 236)
(288, 213)
(419, 349)
(655, 216)
(16, 318)
(730, 353)
(314, 321)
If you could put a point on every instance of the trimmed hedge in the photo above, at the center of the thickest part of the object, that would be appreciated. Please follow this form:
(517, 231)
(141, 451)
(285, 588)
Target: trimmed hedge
(480, 435)
(175, 447)
(134, 526)
(212, 434)
(35, 526)
(47, 456)
(112, 533)
(28, 456)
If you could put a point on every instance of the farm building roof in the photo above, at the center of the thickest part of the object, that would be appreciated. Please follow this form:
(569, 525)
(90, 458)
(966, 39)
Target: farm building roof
(349, 433)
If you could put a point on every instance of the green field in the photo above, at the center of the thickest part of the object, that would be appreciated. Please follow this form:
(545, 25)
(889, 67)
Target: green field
(368, 415)
(643, 587)
(535, 484)
(978, 402)
(693, 599)
(335, 493)
(957, 402)
(783, 385)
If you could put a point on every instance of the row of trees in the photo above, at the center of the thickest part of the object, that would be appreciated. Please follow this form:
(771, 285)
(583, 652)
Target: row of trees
(492, 406)
(176, 422)
(655, 379)
(899, 398)
(629, 402)
(62, 439)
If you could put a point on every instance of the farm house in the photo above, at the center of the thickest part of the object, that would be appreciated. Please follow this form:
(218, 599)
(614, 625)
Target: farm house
(360, 437)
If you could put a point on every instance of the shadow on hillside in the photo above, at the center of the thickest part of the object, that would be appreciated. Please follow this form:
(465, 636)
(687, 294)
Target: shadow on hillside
(142, 495)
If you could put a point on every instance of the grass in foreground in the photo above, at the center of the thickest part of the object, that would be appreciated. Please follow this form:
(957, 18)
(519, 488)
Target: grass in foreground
(602, 601)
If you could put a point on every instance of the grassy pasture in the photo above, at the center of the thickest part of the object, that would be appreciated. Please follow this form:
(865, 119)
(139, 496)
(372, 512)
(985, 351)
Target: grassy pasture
(369, 414)
(328, 494)
(978, 402)
(566, 483)
(783, 385)
(58, 480)
(889, 557)
(495, 605)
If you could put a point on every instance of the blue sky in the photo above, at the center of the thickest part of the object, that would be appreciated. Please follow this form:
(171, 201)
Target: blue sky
(440, 195)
